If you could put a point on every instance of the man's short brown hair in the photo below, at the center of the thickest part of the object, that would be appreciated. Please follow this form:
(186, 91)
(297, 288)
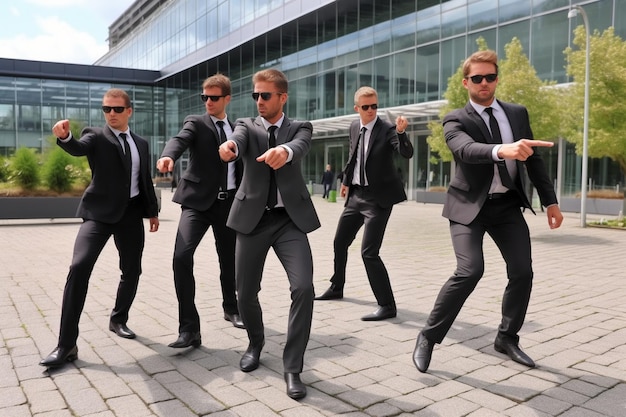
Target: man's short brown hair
(488, 56)
(278, 78)
(218, 80)
(118, 92)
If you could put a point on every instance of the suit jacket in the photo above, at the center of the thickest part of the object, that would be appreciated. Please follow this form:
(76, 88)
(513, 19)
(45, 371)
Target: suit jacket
(106, 197)
(199, 184)
(468, 137)
(383, 179)
(251, 197)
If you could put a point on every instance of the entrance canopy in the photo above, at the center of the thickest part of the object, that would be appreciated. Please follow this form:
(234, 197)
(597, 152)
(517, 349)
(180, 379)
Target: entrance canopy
(414, 113)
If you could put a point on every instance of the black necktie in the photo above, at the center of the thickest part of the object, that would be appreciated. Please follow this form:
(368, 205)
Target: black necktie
(224, 178)
(496, 137)
(272, 197)
(127, 157)
(362, 156)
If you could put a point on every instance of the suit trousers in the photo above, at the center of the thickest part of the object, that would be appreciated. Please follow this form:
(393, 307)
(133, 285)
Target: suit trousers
(128, 235)
(503, 221)
(291, 246)
(362, 209)
(192, 227)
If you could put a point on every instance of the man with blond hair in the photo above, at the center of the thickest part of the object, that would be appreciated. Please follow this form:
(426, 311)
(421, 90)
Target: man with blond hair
(372, 186)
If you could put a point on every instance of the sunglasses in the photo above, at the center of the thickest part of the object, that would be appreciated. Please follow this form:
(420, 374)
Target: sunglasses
(205, 98)
(477, 79)
(264, 96)
(366, 107)
(116, 109)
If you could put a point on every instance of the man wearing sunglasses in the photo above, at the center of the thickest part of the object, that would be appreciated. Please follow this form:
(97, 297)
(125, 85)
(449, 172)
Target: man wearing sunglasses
(119, 196)
(273, 209)
(492, 144)
(205, 192)
(372, 186)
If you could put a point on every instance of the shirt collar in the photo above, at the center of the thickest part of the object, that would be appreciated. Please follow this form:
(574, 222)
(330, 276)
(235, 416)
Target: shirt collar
(480, 108)
(279, 123)
(370, 125)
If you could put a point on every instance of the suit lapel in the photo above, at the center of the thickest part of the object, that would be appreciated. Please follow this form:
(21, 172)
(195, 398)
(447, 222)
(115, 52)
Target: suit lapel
(212, 128)
(262, 139)
(479, 122)
(373, 135)
(508, 112)
(112, 138)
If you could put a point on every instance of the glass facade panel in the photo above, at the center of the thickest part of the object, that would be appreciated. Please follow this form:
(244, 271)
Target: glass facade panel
(513, 9)
(403, 78)
(547, 55)
(453, 18)
(480, 14)
(406, 49)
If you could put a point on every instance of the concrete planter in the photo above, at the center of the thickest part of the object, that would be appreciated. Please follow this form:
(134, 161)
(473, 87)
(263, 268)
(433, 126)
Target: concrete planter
(433, 197)
(38, 207)
(605, 206)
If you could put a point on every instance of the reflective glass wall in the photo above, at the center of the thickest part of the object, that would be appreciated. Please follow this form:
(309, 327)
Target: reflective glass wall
(29, 107)
(406, 49)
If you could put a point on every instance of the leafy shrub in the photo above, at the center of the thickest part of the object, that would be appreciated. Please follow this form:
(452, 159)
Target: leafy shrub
(59, 170)
(5, 171)
(82, 172)
(25, 168)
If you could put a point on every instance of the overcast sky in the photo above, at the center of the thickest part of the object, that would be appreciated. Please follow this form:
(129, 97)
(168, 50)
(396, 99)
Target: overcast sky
(71, 31)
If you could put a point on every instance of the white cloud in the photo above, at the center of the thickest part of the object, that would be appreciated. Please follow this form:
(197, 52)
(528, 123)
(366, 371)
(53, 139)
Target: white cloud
(57, 41)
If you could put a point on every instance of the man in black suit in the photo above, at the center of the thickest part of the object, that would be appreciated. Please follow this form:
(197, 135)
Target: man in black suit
(327, 181)
(373, 186)
(205, 192)
(492, 143)
(273, 208)
(119, 196)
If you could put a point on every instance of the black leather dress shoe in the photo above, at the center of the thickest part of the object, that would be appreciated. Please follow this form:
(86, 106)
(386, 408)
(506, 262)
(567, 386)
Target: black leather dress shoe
(513, 351)
(60, 356)
(122, 330)
(186, 339)
(332, 293)
(295, 388)
(422, 353)
(250, 360)
(235, 319)
(382, 313)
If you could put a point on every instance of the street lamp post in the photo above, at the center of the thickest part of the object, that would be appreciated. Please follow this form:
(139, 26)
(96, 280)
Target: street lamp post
(583, 180)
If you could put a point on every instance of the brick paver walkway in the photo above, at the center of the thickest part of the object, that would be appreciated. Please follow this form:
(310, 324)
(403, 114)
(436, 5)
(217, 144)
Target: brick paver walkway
(575, 330)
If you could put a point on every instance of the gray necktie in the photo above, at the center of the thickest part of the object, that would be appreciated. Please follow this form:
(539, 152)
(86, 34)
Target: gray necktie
(272, 197)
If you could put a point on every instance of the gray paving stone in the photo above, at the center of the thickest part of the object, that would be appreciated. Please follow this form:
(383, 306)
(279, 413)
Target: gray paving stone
(575, 330)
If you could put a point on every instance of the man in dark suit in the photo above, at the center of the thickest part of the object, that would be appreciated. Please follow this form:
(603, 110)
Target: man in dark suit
(119, 196)
(273, 208)
(327, 181)
(492, 143)
(373, 186)
(205, 192)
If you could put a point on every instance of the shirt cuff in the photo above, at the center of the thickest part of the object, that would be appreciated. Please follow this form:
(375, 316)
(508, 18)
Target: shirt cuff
(494, 153)
(67, 139)
(289, 151)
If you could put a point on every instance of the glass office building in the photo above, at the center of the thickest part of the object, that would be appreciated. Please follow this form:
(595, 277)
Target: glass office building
(406, 49)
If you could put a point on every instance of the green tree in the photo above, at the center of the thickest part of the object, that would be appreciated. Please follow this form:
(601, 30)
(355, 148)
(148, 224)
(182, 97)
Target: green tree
(607, 89)
(518, 83)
